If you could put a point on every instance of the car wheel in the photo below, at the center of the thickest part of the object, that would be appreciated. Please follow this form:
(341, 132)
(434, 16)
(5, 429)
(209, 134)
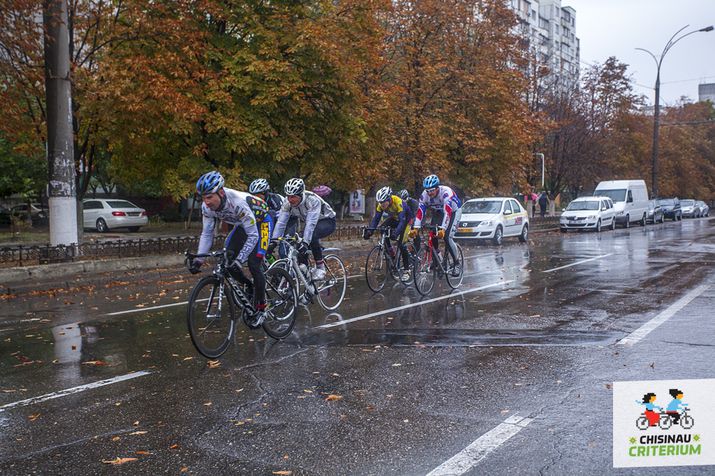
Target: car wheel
(498, 236)
(598, 226)
(613, 223)
(628, 222)
(102, 225)
(524, 234)
(134, 229)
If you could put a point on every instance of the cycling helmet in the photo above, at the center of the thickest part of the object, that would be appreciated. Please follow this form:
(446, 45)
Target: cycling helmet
(210, 182)
(259, 186)
(294, 186)
(404, 194)
(431, 181)
(383, 194)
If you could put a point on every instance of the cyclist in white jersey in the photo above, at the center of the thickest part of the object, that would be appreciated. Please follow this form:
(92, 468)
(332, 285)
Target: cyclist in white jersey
(318, 216)
(446, 209)
(248, 240)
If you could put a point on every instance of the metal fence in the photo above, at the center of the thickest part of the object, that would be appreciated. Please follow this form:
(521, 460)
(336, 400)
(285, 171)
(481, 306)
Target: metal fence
(27, 255)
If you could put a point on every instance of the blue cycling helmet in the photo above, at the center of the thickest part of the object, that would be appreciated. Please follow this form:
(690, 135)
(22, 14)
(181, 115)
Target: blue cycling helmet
(209, 182)
(431, 181)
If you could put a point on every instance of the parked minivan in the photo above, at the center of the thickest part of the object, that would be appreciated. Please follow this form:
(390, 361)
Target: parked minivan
(630, 200)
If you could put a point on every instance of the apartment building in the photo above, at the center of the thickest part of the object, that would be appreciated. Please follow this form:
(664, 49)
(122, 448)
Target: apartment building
(550, 32)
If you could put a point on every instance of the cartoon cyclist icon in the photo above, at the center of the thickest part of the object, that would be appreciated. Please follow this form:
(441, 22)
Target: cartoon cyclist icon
(650, 406)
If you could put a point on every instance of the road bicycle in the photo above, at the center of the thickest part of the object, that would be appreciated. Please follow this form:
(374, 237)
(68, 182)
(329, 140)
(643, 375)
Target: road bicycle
(329, 291)
(428, 265)
(216, 299)
(384, 260)
(666, 420)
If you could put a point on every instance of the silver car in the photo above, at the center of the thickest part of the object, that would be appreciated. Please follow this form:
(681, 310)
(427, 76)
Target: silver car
(704, 208)
(106, 214)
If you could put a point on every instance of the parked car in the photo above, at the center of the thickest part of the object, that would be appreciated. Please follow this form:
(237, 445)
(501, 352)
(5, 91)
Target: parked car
(671, 208)
(36, 210)
(593, 213)
(704, 208)
(689, 208)
(630, 199)
(493, 219)
(655, 212)
(106, 214)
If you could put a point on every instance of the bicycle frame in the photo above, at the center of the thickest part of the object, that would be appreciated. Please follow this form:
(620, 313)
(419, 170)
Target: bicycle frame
(292, 260)
(221, 271)
(433, 253)
(383, 244)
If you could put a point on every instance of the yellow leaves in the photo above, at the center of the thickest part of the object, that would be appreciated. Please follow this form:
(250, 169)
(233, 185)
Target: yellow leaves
(283, 473)
(33, 417)
(333, 398)
(117, 461)
(96, 363)
(212, 364)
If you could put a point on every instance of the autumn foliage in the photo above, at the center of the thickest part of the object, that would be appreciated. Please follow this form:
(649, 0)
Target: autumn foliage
(351, 93)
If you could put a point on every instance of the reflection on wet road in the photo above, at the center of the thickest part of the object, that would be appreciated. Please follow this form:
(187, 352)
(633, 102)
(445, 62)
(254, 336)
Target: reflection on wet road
(516, 317)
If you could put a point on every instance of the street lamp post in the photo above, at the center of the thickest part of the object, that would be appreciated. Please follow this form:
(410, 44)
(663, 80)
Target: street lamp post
(656, 113)
(543, 168)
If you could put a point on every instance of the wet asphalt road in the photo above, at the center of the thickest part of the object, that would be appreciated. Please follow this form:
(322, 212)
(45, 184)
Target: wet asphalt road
(532, 332)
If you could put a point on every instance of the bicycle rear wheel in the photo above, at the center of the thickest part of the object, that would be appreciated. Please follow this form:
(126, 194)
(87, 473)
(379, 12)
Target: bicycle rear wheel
(331, 291)
(376, 269)
(281, 300)
(424, 276)
(211, 317)
(455, 271)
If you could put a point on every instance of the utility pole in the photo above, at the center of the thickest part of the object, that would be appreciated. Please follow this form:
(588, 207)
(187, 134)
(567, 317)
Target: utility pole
(60, 147)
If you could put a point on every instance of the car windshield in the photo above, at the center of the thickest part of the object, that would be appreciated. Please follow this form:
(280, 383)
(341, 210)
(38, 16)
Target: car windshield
(482, 206)
(583, 205)
(615, 195)
(121, 204)
(668, 202)
(687, 203)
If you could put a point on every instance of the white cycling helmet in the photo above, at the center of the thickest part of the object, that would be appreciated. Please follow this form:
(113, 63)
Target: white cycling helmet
(294, 186)
(383, 194)
(259, 186)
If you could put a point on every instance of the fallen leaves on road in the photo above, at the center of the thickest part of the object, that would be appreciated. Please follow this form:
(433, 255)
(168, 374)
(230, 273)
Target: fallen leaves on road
(97, 363)
(116, 438)
(212, 364)
(141, 432)
(188, 358)
(333, 398)
(175, 446)
(142, 453)
(118, 460)
(33, 417)
(283, 473)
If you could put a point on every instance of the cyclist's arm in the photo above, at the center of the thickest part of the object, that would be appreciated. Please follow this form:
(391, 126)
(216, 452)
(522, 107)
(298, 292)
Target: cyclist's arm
(283, 216)
(207, 235)
(248, 223)
(311, 218)
(375, 219)
(401, 222)
(420, 214)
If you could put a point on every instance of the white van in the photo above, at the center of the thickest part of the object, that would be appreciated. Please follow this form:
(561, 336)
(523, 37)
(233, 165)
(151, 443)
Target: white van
(630, 200)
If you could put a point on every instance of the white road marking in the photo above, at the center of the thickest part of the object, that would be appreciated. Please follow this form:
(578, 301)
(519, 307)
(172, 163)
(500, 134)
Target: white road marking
(577, 263)
(73, 390)
(407, 306)
(637, 335)
(470, 456)
(142, 309)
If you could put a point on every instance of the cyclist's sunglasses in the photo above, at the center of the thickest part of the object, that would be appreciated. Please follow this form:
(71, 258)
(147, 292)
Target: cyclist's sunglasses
(430, 190)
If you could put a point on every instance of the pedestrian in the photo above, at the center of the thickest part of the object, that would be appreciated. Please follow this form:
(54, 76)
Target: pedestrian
(543, 203)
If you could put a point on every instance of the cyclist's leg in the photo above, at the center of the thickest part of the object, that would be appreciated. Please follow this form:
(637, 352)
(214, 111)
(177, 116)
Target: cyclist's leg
(392, 223)
(449, 234)
(289, 231)
(437, 216)
(234, 242)
(259, 280)
(403, 246)
(323, 228)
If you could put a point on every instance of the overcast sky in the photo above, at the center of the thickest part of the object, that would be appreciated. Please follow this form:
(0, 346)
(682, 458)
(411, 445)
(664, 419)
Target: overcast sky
(616, 27)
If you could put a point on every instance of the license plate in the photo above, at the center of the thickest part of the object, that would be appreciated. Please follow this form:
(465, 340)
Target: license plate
(465, 230)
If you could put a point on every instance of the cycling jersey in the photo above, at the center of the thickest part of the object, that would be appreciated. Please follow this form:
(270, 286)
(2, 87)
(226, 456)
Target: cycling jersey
(445, 200)
(311, 209)
(275, 201)
(240, 209)
(397, 211)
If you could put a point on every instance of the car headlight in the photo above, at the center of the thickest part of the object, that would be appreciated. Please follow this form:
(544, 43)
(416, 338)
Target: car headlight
(592, 217)
(486, 223)
(620, 213)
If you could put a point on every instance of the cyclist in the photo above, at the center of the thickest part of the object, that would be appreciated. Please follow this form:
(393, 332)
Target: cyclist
(398, 216)
(404, 194)
(248, 240)
(446, 210)
(261, 189)
(318, 216)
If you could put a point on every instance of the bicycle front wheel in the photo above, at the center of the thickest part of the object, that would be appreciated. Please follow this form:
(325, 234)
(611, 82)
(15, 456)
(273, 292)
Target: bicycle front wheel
(423, 273)
(211, 317)
(281, 300)
(376, 269)
(331, 291)
(455, 271)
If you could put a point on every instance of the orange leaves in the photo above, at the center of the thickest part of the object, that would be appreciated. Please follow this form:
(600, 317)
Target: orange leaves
(118, 461)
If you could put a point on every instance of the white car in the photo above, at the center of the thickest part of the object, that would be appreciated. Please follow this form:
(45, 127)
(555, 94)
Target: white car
(593, 213)
(493, 219)
(106, 214)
